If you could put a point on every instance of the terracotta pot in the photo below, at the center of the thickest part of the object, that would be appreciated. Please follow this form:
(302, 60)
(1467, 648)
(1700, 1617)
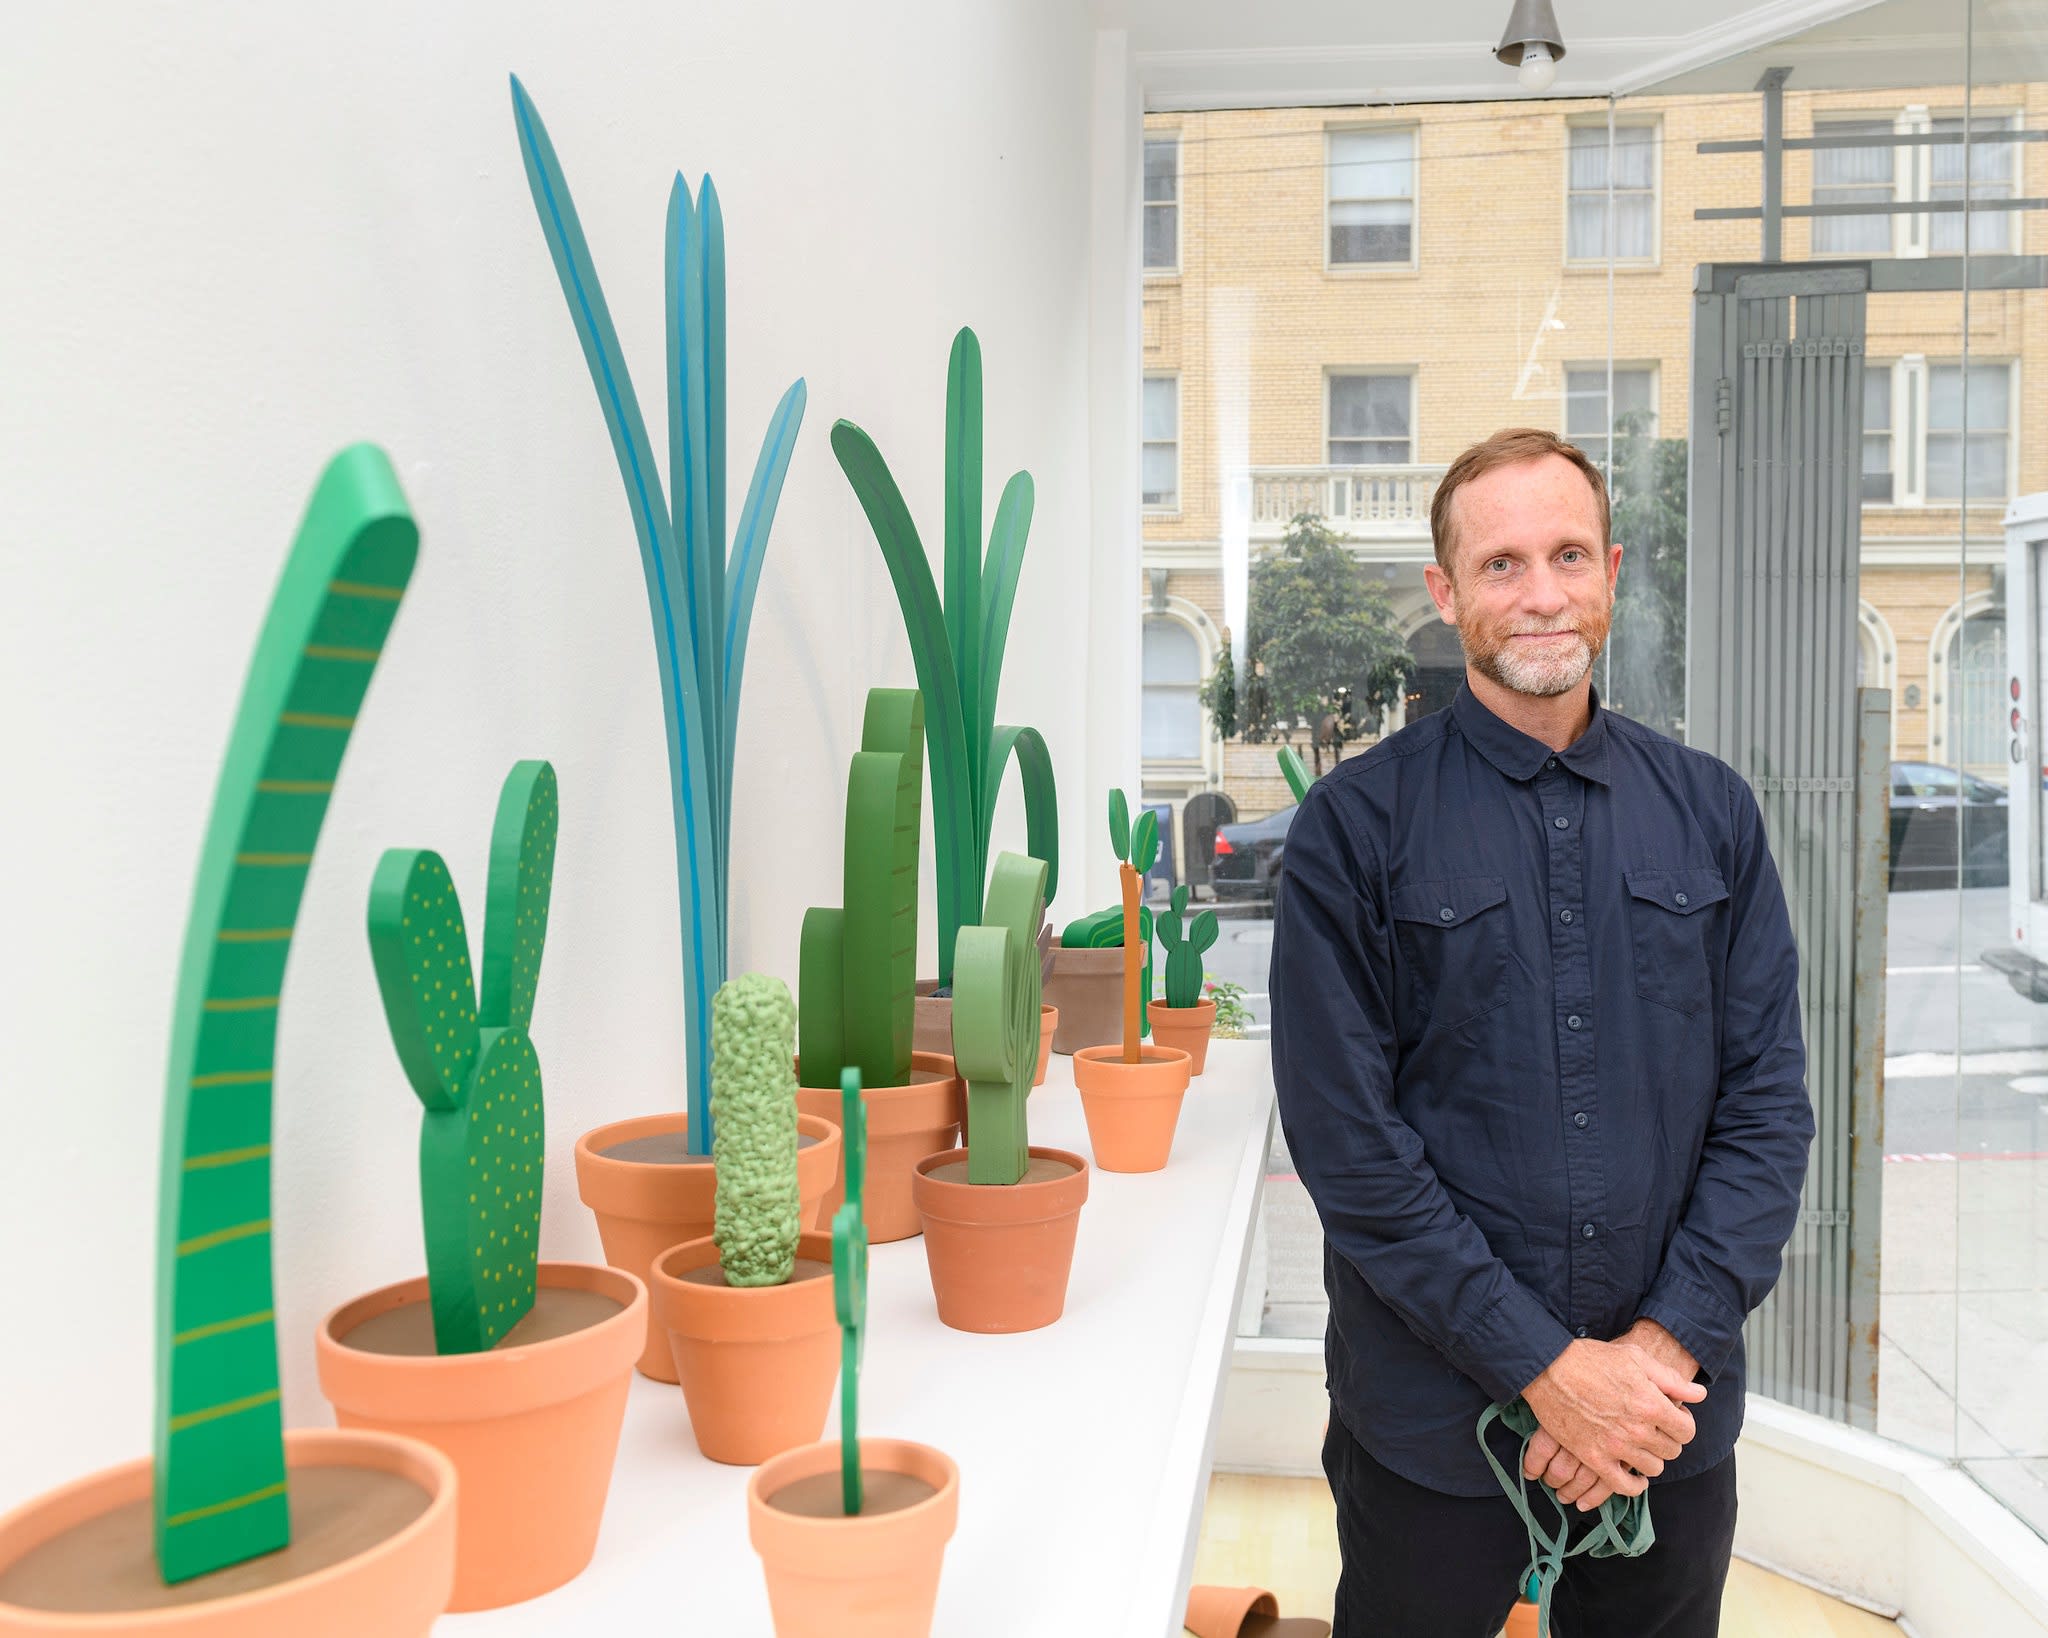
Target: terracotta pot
(1131, 1109)
(1086, 987)
(875, 1576)
(644, 1207)
(1048, 1026)
(757, 1363)
(932, 1030)
(532, 1429)
(1000, 1256)
(1522, 1621)
(905, 1123)
(398, 1584)
(1186, 1029)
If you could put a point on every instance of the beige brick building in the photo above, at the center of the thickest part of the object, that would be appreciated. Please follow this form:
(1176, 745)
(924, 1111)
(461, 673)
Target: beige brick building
(1337, 301)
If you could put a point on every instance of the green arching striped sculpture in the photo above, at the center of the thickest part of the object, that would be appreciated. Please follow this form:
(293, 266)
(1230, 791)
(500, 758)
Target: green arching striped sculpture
(470, 1058)
(219, 1437)
(857, 972)
(996, 996)
(753, 1082)
(701, 599)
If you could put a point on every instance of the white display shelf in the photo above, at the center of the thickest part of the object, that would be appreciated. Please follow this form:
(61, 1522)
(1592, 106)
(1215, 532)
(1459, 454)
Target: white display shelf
(1083, 1448)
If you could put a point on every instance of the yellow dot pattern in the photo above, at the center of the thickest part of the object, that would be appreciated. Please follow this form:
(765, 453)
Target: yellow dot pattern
(437, 957)
(536, 877)
(505, 1138)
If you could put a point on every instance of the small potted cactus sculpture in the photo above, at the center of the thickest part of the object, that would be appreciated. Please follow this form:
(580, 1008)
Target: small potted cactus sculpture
(1000, 1216)
(515, 1368)
(1186, 1016)
(1131, 1092)
(748, 1309)
(852, 1532)
(857, 980)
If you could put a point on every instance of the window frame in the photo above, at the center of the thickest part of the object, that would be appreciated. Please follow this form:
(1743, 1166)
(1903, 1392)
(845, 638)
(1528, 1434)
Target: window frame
(1923, 179)
(1651, 367)
(1173, 135)
(1149, 508)
(1148, 687)
(1410, 372)
(1413, 131)
(1923, 428)
(1654, 124)
(1904, 227)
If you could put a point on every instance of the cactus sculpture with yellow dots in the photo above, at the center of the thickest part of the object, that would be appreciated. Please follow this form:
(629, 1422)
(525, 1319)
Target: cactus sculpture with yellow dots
(470, 1059)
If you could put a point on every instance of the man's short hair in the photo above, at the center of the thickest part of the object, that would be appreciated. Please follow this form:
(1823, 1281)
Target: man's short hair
(1506, 448)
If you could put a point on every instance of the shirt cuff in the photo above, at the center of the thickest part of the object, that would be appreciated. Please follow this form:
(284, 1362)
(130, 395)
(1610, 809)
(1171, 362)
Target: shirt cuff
(1705, 1324)
(1513, 1344)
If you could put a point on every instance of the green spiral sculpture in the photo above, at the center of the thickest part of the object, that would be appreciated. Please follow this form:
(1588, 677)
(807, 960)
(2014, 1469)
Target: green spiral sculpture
(753, 1098)
(996, 995)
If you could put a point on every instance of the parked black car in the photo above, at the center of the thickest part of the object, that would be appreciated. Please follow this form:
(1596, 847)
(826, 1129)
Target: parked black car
(1935, 811)
(1248, 852)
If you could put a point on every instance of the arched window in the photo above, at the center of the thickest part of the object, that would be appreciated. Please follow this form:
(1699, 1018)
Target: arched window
(1977, 692)
(1172, 681)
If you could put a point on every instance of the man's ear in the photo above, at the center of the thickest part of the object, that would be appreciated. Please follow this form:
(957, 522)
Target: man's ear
(1441, 592)
(1613, 566)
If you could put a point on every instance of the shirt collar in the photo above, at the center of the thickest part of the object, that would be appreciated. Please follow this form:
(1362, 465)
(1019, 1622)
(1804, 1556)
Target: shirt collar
(1518, 756)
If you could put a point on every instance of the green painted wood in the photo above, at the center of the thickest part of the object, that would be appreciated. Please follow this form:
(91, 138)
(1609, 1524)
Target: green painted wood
(996, 998)
(850, 1285)
(1184, 942)
(821, 996)
(1119, 825)
(1295, 772)
(219, 1482)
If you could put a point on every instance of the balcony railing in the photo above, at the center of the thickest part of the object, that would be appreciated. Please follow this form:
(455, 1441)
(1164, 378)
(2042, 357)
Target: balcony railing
(1361, 501)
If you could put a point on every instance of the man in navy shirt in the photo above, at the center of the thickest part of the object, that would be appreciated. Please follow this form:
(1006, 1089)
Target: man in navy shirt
(1536, 1041)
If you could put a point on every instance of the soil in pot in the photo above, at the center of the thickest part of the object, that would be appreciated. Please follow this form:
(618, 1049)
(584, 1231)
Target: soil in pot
(905, 1123)
(531, 1425)
(372, 1517)
(1185, 1029)
(1131, 1109)
(1000, 1254)
(756, 1363)
(1086, 988)
(649, 1193)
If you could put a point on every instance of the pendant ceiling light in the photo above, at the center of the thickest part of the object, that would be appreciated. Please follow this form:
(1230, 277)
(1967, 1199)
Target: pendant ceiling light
(1531, 44)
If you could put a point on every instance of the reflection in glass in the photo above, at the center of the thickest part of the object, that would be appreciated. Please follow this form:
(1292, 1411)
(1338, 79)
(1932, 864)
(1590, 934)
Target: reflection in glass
(1633, 162)
(1372, 196)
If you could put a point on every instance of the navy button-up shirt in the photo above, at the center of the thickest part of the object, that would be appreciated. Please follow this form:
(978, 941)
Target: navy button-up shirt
(1537, 1047)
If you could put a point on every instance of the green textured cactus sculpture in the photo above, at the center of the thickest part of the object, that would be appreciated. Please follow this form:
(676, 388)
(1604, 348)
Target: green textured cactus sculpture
(857, 974)
(753, 1093)
(219, 1475)
(996, 999)
(1184, 943)
(470, 1058)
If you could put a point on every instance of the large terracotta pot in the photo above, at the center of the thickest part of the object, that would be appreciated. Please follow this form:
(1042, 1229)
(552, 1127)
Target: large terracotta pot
(1000, 1254)
(1131, 1109)
(644, 1207)
(532, 1428)
(1185, 1029)
(396, 1584)
(757, 1363)
(874, 1576)
(905, 1123)
(1087, 989)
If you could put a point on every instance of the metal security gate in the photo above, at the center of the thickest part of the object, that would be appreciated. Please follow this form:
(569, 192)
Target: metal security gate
(1775, 503)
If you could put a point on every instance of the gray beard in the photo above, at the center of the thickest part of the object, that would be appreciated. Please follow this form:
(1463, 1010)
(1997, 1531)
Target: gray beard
(1537, 676)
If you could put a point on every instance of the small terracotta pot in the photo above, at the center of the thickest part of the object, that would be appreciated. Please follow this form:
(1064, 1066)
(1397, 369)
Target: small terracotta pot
(1186, 1029)
(905, 1123)
(1000, 1255)
(1131, 1109)
(398, 1585)
(1048, 1026)
(757, 1363)
(1087, 989)
(643, 1208)
(876, 1576)
(532, 1430)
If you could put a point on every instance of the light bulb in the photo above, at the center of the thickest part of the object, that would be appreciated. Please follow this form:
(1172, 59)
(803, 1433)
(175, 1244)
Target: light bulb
(1538, 70)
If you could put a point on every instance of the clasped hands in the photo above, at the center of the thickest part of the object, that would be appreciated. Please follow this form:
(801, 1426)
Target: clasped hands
(1611, 1414)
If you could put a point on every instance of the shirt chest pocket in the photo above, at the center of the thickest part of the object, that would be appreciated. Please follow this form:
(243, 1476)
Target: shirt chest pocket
(1453, 940)
(1673, 927)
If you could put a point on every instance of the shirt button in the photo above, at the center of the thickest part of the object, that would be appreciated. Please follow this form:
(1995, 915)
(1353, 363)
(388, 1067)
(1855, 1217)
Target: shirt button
(1580, 1118)
(1565, 916)
(1560, 821)
(1588, 1231)
(1581, 1331)
(1681, 898)
(1447, 914)
(1550, 762)
(1572, 1022)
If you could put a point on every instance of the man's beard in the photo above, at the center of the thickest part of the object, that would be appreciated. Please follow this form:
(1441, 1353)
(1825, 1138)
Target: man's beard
(1555, 668)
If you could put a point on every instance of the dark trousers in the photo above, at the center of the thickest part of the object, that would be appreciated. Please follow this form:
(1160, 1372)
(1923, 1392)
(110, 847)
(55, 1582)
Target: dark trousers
(1419, 1564)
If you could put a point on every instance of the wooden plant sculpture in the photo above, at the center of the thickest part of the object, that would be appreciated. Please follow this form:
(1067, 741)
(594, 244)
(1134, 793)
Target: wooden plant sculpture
(1136, 848)
(219, 1434)
(995, 1020)
(1295, 772)
(857, 977)
(958, 649)
(701, 597)
(469, 1055)
(1184, 949)
(850, 1289)
(753, 1030)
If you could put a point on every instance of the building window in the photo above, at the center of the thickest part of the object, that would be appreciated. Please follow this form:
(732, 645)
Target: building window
(1634, 166)
(1372, 420)
(1172, 727)
(1586, 421)
(1984, 169)
(1162, 203)
(1877, 433)
(1969, 431)
(1854, 176)
(1160, 474)
(1372, 197)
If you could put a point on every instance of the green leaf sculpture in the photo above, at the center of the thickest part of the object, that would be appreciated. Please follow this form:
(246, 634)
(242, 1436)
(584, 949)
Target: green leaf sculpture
(850, 1287)
(1295, 771)
(996, 999)
(857, 971)
(958, 648)
(1137, 846)
(470, 1058)
(701, 598)
(753, 1087)
(1184, 950)
(219, 1478)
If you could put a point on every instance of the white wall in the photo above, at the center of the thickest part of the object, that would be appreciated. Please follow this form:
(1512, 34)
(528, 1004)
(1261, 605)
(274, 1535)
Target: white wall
(238, 239)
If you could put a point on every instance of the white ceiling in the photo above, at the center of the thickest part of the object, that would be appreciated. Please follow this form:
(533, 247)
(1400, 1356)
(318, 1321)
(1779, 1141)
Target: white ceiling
(1251, 53)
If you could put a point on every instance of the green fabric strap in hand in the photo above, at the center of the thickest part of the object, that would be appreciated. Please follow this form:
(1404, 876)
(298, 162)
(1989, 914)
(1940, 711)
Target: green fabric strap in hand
(1621, 1528)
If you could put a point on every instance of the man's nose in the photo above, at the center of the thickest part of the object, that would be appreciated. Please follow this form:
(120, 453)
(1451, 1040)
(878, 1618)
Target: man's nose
(1544, 592)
